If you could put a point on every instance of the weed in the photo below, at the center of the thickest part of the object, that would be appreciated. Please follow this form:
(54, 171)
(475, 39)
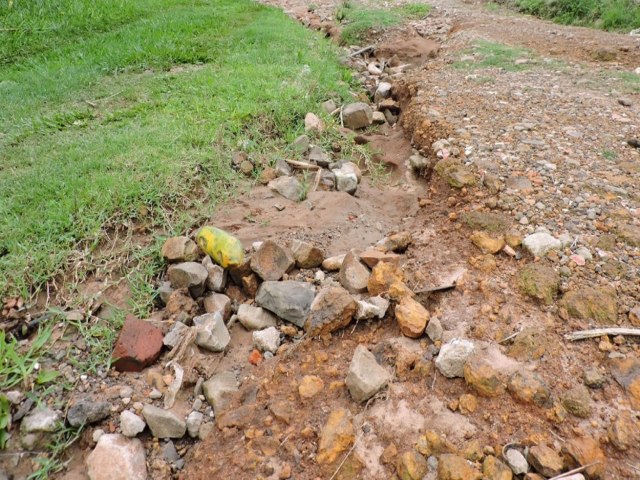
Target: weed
(52, 462)
(629, 81)
(120, 107)
(492, 6)
(414, 10)
(18, 368)
(495, 55)
(305, 185)
(609, 155)
(5, 420)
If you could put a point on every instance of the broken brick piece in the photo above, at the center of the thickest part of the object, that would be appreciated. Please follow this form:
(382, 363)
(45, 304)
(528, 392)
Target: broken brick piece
(138, 346)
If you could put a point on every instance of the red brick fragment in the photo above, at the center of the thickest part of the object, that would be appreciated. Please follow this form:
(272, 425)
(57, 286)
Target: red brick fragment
(255, 357)
(138, 346)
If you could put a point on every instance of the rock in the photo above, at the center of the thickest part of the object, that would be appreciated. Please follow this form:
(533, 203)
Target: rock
(312, 123)
(194, 421)
(383, 91)
(378, 118)
(577, 401)
(528, 387)
(431, 443)
(216, 275)
(454, 173)
(366, 377)
(412, 317)
(519, 184)
(452, 357)
(219, 389)
(398, 242)
(333, 264)
(545, 461)
(211, 332)
(169, 452)
(374, 307)
(628, 233)
(267, 340)
(455, 467)
(372, 257)
(191, 275)
(289, 300)
(593, 303)
(634, 316)
(623, 433)
(319, 157)
(336, 437)
(164, 292)
(357, 115)
(353, 275)
(267, 175)
(41, 420)
(494, 469)
(86, 412)
(467, 404)
(163, 423)
(179, 249)
(306, 255)
(301, 144)
(138, 345)
(246, 167)
(282, 168)
(175, 336)
(255, 318)
(116, 457)
(383, 276)
(627, 373)
(492, 222)
(346, 178)
(329, 106)
(218, 303)
(434, 330)
(419, 163)
(516, 462)
(289, 187)
(582, 451)
(310, 386)
(540, 243)
(480, 374)
(593, 378)
(332, 309)
(487, 243)
(411, 466)
(131, 424)
(272, 261)
(540, 282)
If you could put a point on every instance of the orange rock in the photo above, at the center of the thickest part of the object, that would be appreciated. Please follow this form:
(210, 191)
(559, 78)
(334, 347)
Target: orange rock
(255, 357)
(310, 386)
(336, 437)
(412, 317)
(384, 275)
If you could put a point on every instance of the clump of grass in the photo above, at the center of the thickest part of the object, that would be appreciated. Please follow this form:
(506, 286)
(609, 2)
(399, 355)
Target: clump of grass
(19, 367)
(115, 108)
(52, 461)
(605, 14)
(495, 55)
(609, 154)
(359, 21)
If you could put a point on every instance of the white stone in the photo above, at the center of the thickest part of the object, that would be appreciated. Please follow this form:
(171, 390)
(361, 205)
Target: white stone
(163, 423)
(219, 388)
(452, 357)
(255, 318)
(372, 308)
(366, 377)
(211, 332)
(117, 458)
(267, 340)
(347, 177)
(131, 424)
(516, 462)
(540, 243)
(175, 335)
(194, 421)
(217, 276)
(383, 91)
(41, 420)
(434, 329)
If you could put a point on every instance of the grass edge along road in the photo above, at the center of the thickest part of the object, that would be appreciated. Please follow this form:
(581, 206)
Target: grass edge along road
(131, 129)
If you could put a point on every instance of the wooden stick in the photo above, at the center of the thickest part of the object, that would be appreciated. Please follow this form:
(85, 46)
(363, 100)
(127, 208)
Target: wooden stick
(316, 181)
(361, 51)
(575, 470)
(441, 288)
(599, 332)
(302, 165)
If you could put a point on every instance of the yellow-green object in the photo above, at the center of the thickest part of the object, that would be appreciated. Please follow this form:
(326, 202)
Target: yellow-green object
(225, 249)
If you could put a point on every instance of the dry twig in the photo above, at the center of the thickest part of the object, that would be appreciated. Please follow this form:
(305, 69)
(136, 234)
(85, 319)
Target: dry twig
(575, 470)
(599, 332)
(302, 165)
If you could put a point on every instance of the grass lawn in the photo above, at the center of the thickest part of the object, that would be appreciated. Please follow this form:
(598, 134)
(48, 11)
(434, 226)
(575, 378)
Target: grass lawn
(115, 114)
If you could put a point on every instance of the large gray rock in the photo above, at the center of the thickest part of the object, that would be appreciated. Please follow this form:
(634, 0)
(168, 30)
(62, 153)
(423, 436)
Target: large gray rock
(216, 275)
(255, 318)
(366, 377)
(131, 424)
(191, 275)
(175, 335)
(211, 332)
(218, 390)
(357, 115)
(452, 357)
(289, 300)
(288, 187)
(86, 412)
(354, 275)
(540, 243)
(383, 91)
(218, 303)
(272, 260)
(346, 178)
(267, 340)
(117, 458)
(41, 420)
(163, 423)
(306, 254)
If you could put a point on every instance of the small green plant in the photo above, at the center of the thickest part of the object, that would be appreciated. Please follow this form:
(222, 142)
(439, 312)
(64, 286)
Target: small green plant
(492, 6)
(52, 462)
(99, 336)
(305, 185)
(5, 418)
(414, 10)
(609, 154)
(495, 55)
(18, 368)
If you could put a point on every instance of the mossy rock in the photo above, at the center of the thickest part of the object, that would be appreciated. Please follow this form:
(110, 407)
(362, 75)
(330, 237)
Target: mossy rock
(629, 234)
(454, 173)
(588, 303)
(540, 282)
(487, 221)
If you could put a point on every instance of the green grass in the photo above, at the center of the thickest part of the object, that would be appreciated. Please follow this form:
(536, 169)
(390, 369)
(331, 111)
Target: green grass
(621, 15)
(120, 115)
(609, 155)
(359, 21)
(19, 366)
(495, 55)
